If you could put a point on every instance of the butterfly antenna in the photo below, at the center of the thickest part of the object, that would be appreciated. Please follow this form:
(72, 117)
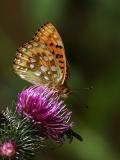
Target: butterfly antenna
(75, 97)
(85, 89)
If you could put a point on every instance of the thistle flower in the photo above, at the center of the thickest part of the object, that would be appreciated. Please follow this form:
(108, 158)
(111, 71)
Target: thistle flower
(44, 107)
(8, 149)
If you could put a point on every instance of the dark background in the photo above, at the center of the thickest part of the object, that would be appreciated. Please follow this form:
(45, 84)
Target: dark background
(90, 30)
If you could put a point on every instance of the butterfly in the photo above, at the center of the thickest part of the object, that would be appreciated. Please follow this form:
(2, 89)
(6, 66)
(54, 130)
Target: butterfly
(42, 61)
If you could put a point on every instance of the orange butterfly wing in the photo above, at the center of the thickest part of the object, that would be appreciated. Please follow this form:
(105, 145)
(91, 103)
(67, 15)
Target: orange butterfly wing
(42, 60)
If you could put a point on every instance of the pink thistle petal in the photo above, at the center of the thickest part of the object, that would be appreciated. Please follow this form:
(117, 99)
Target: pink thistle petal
(44, 107)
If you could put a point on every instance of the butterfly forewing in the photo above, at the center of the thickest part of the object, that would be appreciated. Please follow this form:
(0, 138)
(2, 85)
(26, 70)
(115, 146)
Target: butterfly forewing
(49, 36)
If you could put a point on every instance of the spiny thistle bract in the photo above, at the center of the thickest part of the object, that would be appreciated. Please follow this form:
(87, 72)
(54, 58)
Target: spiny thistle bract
(18, 138)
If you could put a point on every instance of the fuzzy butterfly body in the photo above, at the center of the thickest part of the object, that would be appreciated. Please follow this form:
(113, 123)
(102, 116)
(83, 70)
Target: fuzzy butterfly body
(42, 60)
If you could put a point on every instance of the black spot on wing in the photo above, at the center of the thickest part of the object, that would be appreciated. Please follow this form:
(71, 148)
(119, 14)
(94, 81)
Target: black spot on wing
(53, 52)
(51, 44)
(61, 67)
(59, 56)
(58, 46)
(61, 61)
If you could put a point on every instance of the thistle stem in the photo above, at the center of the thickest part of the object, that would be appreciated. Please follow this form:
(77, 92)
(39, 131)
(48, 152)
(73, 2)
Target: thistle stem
(76, 135)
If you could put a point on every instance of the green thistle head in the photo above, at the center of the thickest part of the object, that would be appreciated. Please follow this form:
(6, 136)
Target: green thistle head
(22, 134)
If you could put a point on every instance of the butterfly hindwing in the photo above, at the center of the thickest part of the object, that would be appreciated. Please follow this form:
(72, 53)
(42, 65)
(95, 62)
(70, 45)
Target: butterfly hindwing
(37, 65)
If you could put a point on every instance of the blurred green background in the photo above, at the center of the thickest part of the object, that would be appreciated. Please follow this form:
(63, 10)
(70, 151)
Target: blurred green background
(90, 30)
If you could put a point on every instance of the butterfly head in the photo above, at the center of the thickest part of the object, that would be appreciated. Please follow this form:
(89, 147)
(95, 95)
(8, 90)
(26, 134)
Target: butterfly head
(64, 91)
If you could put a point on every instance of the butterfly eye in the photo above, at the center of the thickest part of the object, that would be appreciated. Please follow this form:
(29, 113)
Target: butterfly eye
(66, 92)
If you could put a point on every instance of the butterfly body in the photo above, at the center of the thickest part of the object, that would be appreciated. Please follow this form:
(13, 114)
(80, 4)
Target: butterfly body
(42, 60)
